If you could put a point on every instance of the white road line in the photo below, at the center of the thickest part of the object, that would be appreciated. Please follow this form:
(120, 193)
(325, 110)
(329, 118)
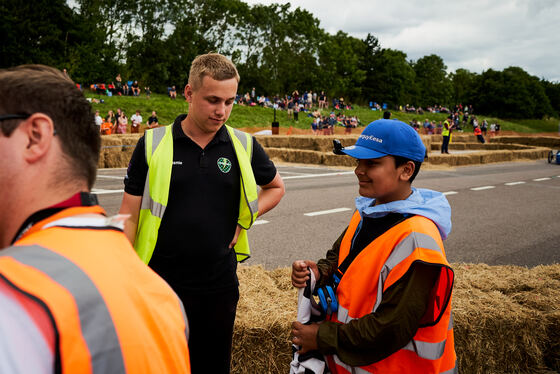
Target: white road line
(259, 222)
(450, 193)
(318, 175)
(110, 176)
(103, 192)
(482, 188)
(326, 212)
(514, 183)
(541, 179)
(294, 172)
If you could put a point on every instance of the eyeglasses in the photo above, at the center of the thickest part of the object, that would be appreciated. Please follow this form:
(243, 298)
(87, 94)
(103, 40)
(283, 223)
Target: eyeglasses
(13, 116)
(5, 117)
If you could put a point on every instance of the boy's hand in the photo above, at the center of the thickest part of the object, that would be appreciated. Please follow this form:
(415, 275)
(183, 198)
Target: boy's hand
(305, 336)
(300, 272)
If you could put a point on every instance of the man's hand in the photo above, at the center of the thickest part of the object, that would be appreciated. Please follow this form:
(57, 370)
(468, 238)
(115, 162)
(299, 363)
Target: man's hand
(300, 272)
(305, 336)
(234, 240)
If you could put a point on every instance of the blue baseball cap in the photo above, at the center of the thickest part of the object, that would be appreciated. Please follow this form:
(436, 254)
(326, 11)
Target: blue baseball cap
(386, 137)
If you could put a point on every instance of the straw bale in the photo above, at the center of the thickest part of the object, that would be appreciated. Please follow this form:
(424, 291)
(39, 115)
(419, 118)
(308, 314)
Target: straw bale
(261, 341)
(506, 319)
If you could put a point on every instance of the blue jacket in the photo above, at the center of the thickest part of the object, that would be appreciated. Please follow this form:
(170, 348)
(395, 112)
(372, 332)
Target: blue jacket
(423, 202)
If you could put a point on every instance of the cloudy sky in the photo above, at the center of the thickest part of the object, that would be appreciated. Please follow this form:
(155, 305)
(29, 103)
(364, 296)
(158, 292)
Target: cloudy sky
(472, 34)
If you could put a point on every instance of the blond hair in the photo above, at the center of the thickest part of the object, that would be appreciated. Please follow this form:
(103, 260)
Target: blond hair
(215, 65)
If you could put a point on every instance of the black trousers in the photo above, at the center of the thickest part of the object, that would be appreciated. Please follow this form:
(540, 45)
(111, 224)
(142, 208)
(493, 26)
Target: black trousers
(211, 318)
(445, 144)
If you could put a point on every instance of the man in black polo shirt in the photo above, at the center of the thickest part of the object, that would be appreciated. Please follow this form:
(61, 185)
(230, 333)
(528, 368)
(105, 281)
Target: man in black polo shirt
(194, 249)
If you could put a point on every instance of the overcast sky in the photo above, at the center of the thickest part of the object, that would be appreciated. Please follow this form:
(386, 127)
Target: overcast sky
(472, 34)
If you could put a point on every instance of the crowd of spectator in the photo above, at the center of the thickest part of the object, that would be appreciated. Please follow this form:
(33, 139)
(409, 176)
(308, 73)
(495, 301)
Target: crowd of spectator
(120, 87)
(118, 123)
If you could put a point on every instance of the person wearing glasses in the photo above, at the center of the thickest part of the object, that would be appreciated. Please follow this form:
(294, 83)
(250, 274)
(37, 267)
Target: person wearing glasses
(69, 295)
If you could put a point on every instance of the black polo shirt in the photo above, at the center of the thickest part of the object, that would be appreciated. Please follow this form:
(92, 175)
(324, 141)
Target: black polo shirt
(192, 252)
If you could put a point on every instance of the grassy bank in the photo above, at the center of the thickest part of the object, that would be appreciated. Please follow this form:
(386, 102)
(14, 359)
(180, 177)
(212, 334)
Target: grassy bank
(244, 116)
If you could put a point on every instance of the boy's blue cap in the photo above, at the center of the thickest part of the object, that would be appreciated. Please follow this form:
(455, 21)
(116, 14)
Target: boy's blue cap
(388, 137)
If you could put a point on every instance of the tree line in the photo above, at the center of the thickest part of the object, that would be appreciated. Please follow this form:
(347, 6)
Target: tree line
(276, 49)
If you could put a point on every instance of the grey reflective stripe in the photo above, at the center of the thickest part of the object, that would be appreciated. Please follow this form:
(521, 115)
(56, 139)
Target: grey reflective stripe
(400, 253)
(155, 208)
(450, 326)
(342, 315)
(242, 138)
(159, 133)
(429, 351)
(253, 205)
(96, 323)
(351, 369)
(184, 318)
(451, 371)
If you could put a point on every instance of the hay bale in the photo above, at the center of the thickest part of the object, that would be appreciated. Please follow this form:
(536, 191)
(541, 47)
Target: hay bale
(266, 309)
(506, 319)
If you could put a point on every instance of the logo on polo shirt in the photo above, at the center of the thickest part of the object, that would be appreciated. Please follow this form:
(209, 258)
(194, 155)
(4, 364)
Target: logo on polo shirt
(224, 165)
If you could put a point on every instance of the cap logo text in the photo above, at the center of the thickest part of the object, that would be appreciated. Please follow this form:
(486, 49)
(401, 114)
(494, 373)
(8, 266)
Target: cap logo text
(371, 137)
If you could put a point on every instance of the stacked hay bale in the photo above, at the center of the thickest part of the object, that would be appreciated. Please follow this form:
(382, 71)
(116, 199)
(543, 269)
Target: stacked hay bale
(506, 319)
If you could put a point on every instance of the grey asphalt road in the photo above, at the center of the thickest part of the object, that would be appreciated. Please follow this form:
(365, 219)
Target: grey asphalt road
(507, 213)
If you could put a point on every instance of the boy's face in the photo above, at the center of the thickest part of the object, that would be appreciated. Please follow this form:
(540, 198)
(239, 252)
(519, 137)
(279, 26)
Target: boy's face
(378, 178)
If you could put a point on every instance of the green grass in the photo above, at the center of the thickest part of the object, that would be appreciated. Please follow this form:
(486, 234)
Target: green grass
(245, 116)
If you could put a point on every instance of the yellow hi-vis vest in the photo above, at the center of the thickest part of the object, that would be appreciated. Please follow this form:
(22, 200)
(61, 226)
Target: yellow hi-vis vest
(445, 131)
(159, 156)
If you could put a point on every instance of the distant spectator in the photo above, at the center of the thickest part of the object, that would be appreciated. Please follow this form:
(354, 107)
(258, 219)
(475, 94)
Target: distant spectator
(253, 95)
(173, 93)
(290, 108)
(98, 119)
(122, 124)
(119, 84)
(309, 99)
(296, 112)
(314, 98)
(484, 127)
(492, 129)
(497, 129)
(117, 118)
(322, 100)
(65, 72)
(125, 89)
(478, 134)
(135, 89)
(148, 92)
(386, 115)
(315, 125)
(135, 122)
(110, 117)
(153, 120)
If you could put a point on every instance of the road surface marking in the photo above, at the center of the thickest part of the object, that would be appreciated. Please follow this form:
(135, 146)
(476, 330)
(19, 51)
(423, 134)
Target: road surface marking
(111, 176)
(317, 175)
(541, 179)
(103, 192)
(482, 188)
(326, 212)
(514, 183)
(260, 222)
(450, 193)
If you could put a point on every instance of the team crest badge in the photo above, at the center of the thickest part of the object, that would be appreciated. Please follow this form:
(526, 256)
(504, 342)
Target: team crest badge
(224, 165)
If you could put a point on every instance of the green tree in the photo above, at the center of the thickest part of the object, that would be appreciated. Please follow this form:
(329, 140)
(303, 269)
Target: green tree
(393, 78)
(462, 82)
(433, 85)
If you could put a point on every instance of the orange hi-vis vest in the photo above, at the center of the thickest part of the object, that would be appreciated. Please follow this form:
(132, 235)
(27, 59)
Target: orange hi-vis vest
(477, 131)
(110, 313)
(380, 265)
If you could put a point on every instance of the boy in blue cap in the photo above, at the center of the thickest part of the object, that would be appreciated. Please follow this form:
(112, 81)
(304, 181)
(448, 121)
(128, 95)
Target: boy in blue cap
(386, 285)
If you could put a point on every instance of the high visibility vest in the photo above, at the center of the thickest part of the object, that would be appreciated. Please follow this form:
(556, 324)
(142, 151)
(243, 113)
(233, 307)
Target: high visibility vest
(159, 156)
(445, 131)
(110, 313)
(380, 265)
(477, 131)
